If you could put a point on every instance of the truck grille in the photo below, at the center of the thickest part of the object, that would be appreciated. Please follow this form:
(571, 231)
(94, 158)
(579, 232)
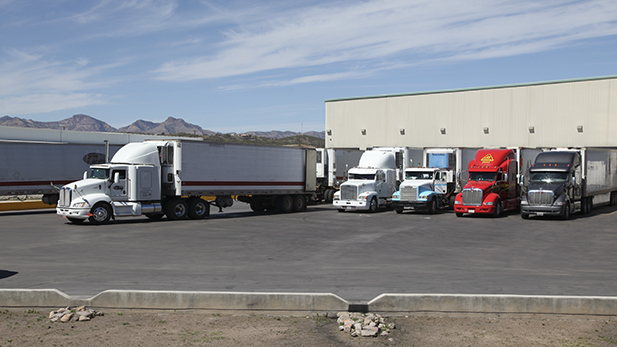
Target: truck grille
(472, 197)
(409, 193)
(65, 197)
(349, 192)
(540, 197)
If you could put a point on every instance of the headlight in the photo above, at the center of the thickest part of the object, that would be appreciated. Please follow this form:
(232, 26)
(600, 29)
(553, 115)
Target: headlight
(558, 203)
(79, 204)
(456, 202)
(523, 202)
(490, 203)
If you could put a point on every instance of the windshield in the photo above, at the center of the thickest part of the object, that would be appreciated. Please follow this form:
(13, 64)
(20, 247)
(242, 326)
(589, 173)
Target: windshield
(482, 176)
(548, 177)
(370, 177)
(99, 173)
(418, 175)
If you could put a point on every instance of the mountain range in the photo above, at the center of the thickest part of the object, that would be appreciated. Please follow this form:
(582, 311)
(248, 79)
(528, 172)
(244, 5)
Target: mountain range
(171, 126)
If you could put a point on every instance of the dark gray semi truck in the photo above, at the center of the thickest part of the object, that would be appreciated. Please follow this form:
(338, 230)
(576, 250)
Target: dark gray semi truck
(566, 181)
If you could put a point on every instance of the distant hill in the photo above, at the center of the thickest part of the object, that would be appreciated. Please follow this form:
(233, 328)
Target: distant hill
(79, 122)
(171, 126)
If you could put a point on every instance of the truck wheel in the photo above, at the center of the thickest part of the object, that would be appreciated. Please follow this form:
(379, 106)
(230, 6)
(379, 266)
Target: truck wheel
(198, 208)
(176, 209)
(398, 210)
(566, 211)
(257, 206)
(524, 215)
(459, 214)
(284, 204)
(299, 203)
(373, 206)
(498, 209)
(451, 201)
(432, 206)
(341, 209)
(100, 213)
(75, 220)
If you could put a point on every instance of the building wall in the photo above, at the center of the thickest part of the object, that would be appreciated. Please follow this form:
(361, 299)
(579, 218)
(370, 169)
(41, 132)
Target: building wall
(574, 113)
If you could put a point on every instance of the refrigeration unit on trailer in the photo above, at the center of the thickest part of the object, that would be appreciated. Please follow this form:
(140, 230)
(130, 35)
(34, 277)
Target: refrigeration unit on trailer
(41, 168)
(435, 184)
(157, 178)
(332, 167)
(565, 181)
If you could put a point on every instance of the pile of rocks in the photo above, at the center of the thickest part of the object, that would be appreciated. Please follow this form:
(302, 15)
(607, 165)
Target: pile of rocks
(80, 314)
(365, 325)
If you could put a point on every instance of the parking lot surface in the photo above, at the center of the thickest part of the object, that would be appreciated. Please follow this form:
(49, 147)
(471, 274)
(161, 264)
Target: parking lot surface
(356, 256)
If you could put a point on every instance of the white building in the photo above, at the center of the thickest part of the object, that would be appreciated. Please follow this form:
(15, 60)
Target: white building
(569, 113)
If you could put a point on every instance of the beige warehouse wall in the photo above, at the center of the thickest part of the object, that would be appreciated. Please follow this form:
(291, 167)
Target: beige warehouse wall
(555, 110)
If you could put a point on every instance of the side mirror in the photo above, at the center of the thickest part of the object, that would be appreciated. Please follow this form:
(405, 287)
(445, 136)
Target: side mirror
(116, 177)
(85, 174)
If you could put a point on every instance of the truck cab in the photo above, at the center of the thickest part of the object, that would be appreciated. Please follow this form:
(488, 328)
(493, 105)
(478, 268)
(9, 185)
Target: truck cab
(423, 189)
(370, 185)
(555, 186)
(491, 187)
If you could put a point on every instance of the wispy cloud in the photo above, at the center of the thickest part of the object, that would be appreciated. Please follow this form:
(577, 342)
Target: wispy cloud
(30, 83)
(374, 32)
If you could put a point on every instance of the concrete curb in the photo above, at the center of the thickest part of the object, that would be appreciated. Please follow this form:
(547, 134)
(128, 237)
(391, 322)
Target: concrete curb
(219, 301)
(503, 304)
(393, 304)
(33, 298)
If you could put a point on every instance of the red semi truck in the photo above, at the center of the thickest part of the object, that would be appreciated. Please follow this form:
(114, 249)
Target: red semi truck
(492, 186)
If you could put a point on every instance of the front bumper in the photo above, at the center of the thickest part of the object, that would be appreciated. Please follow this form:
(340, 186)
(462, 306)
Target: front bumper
(351, 204)
(542, 210)
(77, 213)
(482, 209)
(409, 205)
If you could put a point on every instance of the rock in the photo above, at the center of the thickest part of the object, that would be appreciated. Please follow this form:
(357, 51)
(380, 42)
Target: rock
(369, 332)
(83, 318)
(66, 317)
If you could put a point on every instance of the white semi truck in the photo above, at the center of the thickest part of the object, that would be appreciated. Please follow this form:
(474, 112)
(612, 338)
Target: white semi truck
(41, 168)
(332, 167)
(565, 181)
(157, 178)
(371, 184)
(434, 185)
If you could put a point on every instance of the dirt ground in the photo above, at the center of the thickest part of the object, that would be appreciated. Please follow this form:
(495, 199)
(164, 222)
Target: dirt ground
(122, 328)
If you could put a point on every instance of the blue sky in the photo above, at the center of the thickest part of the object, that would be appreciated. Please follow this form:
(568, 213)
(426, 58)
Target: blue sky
(241, 65)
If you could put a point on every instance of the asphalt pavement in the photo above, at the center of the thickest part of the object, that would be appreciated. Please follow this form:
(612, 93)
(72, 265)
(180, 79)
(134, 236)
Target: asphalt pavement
(354, 255)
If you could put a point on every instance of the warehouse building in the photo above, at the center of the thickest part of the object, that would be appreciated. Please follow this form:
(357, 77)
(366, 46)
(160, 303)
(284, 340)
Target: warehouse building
(567, 113)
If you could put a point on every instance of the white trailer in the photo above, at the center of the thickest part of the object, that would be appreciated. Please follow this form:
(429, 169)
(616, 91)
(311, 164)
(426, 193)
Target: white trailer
(157, 178)
(333, 164)
(35, 168)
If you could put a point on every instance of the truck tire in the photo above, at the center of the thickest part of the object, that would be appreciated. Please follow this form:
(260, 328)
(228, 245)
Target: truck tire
(566, 212)
(498, 209)
(299, 203)
(398, 210)
(432, 206)
(459, 214)
(524, 215)
(257, 206)
(451, 201)
(198, 208)
(176, 209)
(100, 213)
(284, 204)
(372, 207)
